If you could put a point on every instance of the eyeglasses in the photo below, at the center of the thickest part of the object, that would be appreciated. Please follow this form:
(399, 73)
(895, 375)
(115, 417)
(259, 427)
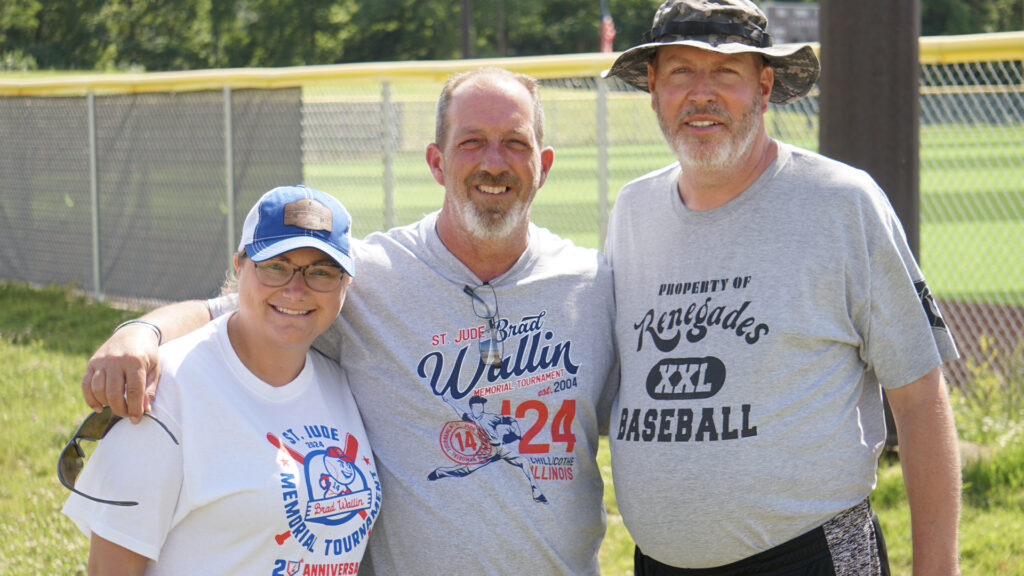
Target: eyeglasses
(319, 277)
(72, 458)
(485, 305)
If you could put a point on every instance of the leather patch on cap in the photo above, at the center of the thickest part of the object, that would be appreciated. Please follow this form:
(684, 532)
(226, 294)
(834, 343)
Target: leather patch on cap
(308, 214)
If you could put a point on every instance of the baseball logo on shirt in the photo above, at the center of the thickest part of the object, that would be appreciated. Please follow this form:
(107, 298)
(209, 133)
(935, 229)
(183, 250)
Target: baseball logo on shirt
(333, 484)
(531, 434)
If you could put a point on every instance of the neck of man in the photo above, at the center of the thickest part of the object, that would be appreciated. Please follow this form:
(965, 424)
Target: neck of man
(707, 189)
(487, 258)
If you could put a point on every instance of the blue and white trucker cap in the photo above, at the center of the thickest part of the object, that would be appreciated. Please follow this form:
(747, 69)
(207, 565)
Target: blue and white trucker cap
(291, 217)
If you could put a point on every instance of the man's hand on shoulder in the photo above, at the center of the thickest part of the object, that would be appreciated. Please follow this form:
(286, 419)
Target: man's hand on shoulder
(123, 373)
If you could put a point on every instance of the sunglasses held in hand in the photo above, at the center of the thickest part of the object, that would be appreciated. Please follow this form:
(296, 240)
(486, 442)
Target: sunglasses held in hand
(72, 458)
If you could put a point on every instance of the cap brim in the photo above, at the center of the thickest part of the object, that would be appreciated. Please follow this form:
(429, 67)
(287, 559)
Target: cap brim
(796, 66)
(297, 242)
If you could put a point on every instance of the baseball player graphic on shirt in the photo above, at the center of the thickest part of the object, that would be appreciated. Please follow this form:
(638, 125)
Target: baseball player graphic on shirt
(340, 473)
(503, 434)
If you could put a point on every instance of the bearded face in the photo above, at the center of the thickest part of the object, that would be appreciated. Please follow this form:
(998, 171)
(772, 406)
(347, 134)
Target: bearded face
(717, 152)
(485, 207)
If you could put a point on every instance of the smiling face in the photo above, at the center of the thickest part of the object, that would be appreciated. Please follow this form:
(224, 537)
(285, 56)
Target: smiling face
(286, 317)
(710, 106)
(342, 471)
(491, 163)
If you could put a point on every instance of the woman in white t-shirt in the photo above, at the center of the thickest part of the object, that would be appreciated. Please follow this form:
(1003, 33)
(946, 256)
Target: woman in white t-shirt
(255, 460)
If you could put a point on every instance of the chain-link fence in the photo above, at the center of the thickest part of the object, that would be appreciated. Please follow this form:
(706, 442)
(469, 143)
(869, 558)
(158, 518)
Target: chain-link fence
(135, 186)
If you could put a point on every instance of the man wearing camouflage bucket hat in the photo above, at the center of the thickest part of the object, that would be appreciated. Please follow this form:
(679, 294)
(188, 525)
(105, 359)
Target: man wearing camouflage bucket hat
(764, 297)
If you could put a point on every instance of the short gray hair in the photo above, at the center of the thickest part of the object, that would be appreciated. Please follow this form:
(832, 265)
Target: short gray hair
(486, 73)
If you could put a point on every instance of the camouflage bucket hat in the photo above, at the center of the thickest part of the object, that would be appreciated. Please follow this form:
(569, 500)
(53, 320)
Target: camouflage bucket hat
(725, 26)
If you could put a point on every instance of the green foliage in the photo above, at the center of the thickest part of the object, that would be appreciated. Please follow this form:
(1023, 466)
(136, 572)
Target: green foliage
(402, 30)
(991, 518)
(190, 34)
(969, 16)
(990, 409)
(996, 479)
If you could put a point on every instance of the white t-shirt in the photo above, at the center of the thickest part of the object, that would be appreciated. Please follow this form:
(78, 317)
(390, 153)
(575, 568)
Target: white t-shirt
(753, 338)
(266, 480)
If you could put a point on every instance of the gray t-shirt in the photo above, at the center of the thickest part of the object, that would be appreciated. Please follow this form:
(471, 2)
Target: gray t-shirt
(505, 486)
(753, 338)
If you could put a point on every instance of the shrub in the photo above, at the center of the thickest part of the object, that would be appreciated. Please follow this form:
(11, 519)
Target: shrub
(990, 409)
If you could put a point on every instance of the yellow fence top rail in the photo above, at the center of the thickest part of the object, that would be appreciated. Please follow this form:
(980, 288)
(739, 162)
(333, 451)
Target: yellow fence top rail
(933, 50)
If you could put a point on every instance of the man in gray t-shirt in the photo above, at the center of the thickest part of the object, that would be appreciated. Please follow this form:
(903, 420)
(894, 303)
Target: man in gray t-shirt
(764, 297)
(472, 336)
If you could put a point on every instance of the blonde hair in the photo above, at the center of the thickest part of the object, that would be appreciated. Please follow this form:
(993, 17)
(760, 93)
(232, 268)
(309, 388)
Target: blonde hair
(230, 284)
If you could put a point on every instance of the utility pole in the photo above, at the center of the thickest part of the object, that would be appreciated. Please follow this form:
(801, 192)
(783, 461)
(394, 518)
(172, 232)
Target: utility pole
(502, 36)
(467, 29)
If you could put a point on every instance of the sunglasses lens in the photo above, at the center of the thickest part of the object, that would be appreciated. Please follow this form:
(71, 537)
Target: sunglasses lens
(71, 463)
(96, 425)
(94, 428)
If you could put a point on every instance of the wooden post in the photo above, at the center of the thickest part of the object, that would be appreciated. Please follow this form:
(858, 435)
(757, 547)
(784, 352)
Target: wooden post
(869, 103)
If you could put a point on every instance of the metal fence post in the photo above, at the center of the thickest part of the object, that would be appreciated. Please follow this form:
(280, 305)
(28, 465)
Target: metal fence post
(388, 151)
(94, 197)
(229, 174)
(602, 160)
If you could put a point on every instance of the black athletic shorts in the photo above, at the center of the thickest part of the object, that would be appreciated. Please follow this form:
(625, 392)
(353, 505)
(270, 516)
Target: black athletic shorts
(851, 544)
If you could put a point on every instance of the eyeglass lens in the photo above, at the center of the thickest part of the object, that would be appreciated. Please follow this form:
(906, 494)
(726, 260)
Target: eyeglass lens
(319, 277)
(485, 302)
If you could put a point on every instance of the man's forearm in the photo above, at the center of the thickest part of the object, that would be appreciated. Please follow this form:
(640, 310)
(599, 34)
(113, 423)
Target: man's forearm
(930, 459)
(176, 320)
(123, 373)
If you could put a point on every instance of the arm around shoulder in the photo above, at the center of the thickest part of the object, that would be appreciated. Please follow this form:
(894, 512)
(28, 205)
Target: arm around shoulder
(930, 458)
(123, 372)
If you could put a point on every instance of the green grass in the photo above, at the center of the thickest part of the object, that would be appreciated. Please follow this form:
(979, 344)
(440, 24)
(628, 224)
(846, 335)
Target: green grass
(46, 336)
(45, 339)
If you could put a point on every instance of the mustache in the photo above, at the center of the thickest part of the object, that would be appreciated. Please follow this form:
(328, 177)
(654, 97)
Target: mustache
(713, 110)
(506, 179)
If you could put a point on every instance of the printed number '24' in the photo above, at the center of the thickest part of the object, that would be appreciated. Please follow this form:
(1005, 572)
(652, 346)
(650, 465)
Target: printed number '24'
(561, 425)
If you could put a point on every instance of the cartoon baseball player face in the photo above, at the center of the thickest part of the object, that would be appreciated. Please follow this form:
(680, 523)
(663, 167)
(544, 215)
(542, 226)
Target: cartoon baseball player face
(339, 466)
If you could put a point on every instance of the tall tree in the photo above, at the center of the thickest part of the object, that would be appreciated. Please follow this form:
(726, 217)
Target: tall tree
(288, 33)
(939, 17)
(19, 21)
(388, 30)
(155, 34)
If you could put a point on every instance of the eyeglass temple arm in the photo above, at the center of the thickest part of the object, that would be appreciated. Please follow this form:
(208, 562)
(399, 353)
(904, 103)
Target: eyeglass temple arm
(162, 425)
(100, 500)
(472, 294)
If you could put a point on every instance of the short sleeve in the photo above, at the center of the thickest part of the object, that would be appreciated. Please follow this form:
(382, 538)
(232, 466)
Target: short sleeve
(139, 463)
